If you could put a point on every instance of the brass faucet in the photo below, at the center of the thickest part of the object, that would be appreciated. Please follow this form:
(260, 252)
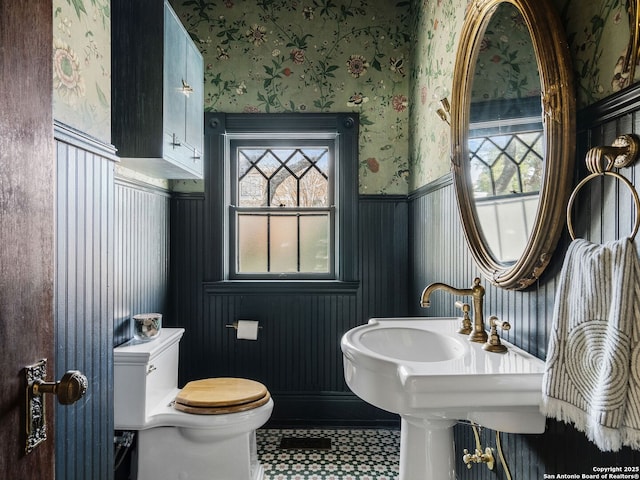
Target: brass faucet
(493, 343)
(477, 292)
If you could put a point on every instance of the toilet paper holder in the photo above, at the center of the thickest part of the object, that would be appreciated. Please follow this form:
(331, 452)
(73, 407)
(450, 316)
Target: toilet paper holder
(235, 326)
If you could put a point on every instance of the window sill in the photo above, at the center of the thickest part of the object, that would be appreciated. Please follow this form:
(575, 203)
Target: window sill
(282, 287)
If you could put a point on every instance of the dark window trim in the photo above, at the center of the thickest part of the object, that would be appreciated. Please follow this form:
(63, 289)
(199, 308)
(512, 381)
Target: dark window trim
(282, 287)
(217, 125)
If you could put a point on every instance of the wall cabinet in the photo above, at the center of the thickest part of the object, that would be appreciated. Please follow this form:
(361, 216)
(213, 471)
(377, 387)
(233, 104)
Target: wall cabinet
(157, 87)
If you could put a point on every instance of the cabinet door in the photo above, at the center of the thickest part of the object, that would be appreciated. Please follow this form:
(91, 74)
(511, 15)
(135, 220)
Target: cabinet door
(175, 61)
(195, 102)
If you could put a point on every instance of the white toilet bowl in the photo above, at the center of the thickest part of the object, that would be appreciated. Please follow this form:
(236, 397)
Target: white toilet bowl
(172, 444)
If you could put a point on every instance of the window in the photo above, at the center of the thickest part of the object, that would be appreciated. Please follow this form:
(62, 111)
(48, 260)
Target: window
(506, 171)
(506, 147)
(507, 164)
(283, 196)
(282, 209)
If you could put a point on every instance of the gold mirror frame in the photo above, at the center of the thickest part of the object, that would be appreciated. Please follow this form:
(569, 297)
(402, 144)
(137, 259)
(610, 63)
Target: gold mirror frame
(558, 111)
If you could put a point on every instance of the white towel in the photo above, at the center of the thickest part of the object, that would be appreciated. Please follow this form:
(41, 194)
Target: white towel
(592, 374)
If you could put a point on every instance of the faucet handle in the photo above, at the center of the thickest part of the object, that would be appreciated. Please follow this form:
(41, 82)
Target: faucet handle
(465, 328)
(479, 457)
(467, 458)
(494, 344)
(493, 322)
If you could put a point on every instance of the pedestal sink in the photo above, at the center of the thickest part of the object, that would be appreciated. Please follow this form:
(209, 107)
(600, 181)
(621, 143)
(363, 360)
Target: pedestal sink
(433, 377)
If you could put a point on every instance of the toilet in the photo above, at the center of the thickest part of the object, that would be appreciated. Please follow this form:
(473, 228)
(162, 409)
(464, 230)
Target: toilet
(207, 430)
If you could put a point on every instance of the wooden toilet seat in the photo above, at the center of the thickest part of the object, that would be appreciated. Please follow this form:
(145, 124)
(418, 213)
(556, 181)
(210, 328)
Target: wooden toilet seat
(216, 396)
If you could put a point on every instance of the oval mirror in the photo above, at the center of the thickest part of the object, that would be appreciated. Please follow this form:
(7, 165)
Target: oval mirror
(513, 129)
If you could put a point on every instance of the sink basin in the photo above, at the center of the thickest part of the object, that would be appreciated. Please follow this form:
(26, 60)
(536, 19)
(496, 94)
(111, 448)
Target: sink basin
(411, 344)
(433, 377)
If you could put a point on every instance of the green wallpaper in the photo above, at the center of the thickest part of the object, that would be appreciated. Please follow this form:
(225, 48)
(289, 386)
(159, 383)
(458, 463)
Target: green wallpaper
(313, 56)
(82, 65)
(597, 32)
(436, 26)
(506, 66)
(386, 59)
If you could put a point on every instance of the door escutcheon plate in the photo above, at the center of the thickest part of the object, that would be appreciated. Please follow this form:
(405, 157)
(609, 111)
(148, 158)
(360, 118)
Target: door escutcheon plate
(68, 390)
(35, 417)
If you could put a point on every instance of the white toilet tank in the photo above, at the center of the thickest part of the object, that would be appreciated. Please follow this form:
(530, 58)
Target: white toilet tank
(145, 373)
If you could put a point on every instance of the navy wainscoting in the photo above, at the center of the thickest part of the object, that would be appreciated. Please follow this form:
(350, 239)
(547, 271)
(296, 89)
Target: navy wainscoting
(84, 302)
(298, 353)
(112, 247)
(141, 250)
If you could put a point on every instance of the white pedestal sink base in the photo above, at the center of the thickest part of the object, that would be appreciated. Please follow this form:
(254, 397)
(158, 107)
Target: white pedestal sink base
(427, 449)
(423, 370)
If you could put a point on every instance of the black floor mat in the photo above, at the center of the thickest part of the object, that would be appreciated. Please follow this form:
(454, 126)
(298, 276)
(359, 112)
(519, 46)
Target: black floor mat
(305, 443)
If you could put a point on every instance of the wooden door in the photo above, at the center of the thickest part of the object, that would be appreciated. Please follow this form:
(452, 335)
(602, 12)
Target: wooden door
(26, 226)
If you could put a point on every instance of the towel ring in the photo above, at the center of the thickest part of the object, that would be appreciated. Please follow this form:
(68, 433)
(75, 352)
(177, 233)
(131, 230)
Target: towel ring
(599, 174)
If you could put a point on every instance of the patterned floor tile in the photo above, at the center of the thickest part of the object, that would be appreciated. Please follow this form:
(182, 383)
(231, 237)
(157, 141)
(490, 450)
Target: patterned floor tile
(367, 454)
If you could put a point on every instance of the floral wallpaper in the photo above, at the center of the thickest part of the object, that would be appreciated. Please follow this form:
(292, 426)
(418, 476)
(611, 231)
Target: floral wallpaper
(597, 32)
(313, 56)
(82, 65)
(436, 26)
(389, 60)
(506, 66)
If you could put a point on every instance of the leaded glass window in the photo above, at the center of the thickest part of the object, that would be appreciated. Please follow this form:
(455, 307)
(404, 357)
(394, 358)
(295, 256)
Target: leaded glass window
(282, 209)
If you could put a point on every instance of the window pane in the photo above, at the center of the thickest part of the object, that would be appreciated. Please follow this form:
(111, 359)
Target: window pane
(284, 153)
(269, 163)
(505, 175)
(314, 190)
(314, 243)
(285, 190)
(252, 190)
(531, 171)
(507, 164)
(284, 243)
(488, 150)
(320, 157)
(246, 159)
(252, 243)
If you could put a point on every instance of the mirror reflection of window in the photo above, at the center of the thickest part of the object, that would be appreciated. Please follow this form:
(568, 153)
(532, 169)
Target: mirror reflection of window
(506, 135)
(507, 168)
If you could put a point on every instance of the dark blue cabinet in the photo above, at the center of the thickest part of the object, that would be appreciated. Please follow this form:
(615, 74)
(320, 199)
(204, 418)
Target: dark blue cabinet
(157, 91)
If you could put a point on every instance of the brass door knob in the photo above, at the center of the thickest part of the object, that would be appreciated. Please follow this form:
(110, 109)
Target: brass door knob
(69, 389)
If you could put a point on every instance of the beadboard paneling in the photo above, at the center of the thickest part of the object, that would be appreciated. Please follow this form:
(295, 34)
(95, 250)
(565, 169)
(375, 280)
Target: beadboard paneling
(298, 352)
(187, 275)
(84, 304)
(112, 246)
(141, 253)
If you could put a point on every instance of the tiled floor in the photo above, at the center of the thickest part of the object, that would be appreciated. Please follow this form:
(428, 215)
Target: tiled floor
(370, 454)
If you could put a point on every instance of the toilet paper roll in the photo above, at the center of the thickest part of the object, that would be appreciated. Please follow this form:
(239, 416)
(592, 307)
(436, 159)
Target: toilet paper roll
(247, 330)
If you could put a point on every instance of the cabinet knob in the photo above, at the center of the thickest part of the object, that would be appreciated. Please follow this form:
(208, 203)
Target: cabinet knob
(175, 141)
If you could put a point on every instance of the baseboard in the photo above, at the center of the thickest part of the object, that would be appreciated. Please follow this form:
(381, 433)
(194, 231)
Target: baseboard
(327, 409)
